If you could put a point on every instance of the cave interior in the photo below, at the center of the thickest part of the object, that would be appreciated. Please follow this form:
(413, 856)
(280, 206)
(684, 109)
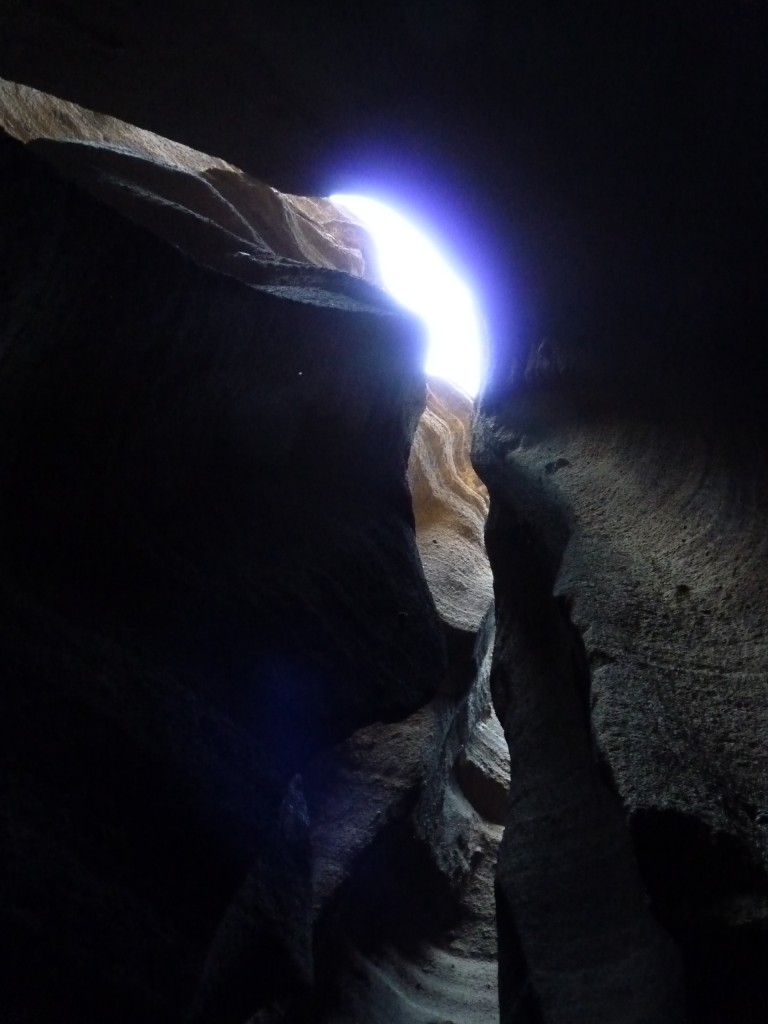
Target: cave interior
(331, 695)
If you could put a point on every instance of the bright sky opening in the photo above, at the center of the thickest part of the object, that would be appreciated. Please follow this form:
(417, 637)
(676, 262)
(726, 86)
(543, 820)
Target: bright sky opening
(416, 274)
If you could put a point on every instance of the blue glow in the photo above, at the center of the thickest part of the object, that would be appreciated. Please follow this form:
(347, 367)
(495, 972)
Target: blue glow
(416, 274)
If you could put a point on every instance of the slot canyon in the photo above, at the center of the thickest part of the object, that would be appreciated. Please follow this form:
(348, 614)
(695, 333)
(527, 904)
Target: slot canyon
(330, 694)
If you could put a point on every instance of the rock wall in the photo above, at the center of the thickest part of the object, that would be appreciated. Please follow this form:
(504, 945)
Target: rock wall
(207, 579)
(228, 714)
(450, 506)
(628, 567)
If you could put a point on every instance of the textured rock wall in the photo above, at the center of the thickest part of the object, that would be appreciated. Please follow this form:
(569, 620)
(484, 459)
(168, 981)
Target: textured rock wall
(450, 506)
(203, 205)
(626, 540)
(407, 816)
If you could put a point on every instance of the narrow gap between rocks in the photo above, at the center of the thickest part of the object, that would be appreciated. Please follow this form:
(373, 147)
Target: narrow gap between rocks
(413, 270)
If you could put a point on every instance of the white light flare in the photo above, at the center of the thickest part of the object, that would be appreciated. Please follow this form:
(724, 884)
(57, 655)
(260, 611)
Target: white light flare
(416, 275)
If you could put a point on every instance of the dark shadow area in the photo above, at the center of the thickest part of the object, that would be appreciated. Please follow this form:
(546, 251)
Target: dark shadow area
(395, 897)
(711, 893)
(461, 665)
(518, 1003)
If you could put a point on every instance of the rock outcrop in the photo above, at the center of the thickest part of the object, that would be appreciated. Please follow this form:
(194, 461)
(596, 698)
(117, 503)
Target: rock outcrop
(188, 536)
(197, 553)
(205, 206)
(408, 816)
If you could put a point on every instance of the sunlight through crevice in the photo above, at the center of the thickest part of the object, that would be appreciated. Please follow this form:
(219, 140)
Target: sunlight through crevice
(417, 275)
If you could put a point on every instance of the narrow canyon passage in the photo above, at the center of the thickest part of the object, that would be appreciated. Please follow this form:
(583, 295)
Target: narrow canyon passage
(331, 693)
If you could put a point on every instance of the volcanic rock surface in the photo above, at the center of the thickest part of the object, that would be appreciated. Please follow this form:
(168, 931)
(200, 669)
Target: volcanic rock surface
(625, 534)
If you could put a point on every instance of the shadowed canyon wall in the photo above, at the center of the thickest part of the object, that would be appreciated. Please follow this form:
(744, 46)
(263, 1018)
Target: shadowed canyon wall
(281, 742)
(178, 502)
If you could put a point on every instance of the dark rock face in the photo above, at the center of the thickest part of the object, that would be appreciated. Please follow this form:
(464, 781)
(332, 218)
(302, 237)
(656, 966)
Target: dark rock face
(208, 572)
(207, 576)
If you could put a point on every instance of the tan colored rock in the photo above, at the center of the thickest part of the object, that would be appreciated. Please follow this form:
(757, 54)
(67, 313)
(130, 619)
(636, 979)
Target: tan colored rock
(450, 506)
(204, 205)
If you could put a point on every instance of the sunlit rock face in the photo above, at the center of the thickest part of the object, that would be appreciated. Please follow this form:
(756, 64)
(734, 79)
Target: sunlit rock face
(205, 206)
(450, 506)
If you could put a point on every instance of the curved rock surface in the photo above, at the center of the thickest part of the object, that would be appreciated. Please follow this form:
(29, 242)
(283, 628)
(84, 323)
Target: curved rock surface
(205, 206)
(450, 506)
(414, 921)
(640, 513)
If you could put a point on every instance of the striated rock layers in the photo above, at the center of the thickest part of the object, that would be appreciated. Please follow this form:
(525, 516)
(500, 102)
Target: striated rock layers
(450, 506)
(205, 206)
